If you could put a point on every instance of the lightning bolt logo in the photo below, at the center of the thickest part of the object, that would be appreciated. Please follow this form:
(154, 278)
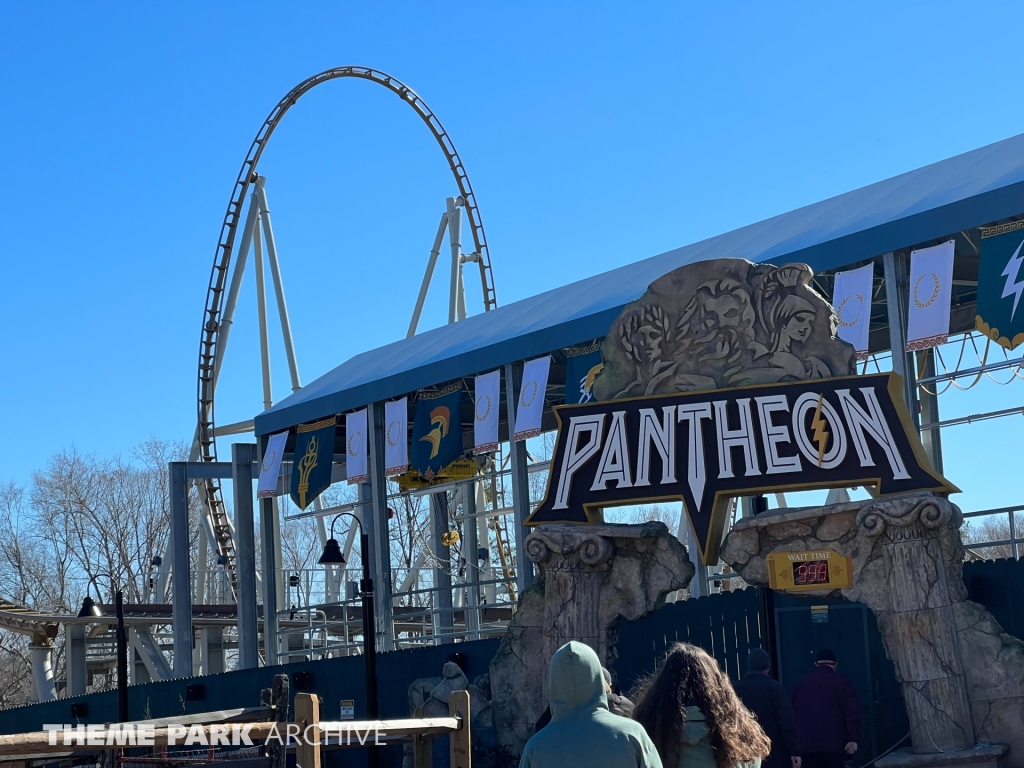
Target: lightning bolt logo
(820, 435)
(1013, 286)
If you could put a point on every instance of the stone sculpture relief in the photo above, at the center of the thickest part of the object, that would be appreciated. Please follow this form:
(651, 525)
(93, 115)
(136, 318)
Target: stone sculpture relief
(962, 677)
(722, 323)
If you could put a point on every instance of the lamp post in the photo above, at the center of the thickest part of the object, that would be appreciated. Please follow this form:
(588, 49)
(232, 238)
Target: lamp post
(332, 555)
(91, 609)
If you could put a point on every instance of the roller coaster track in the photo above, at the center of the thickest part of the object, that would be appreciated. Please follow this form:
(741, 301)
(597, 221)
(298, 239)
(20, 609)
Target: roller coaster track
(211, 351)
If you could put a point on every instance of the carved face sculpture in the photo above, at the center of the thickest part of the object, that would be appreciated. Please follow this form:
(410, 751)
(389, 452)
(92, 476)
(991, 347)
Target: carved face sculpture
(799, 326)
(644, 334)
(793, 318)
(720, 312)
(650, 339)
(719, 322)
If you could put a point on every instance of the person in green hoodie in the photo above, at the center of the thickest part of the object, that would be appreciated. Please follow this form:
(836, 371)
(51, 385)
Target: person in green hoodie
(583, 733)
(694, 717)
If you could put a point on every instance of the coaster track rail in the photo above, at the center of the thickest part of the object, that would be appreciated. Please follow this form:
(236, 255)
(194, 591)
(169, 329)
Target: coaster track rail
(211, 350)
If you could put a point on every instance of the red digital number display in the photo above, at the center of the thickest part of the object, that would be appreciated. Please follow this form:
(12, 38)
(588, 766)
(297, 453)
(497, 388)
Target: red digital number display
(811, 572)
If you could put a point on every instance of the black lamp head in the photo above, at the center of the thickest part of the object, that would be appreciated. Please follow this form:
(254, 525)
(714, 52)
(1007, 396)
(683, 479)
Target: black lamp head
(332, 554)
(90, 610)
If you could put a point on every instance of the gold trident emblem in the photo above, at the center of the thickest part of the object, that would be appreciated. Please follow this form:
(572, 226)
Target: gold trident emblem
(306, 465)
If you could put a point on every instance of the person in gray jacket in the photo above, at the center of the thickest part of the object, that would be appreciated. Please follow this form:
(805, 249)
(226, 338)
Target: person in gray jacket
(583, 733)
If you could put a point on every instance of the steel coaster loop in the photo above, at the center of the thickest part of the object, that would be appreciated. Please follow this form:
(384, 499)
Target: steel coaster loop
(209, 351)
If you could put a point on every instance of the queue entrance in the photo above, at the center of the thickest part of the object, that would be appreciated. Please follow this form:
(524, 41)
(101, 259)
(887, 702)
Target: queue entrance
(792, 629)
(804, 625)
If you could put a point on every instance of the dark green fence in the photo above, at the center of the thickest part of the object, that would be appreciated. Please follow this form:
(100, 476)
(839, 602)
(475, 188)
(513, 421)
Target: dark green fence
(331, 679)
(728, 626)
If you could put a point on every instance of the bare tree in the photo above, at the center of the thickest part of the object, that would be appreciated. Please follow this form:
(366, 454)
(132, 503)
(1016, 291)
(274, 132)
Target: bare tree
(81, 518)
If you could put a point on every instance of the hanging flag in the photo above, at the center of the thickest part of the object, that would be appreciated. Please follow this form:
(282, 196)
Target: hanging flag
(582, 364)
(851, 299)
(437, 430)
(931, 285)
(271, 466)
(531, 398)
(313, 457)
(355, 447)
(396, 434)
(487, 399)
(1001, 283)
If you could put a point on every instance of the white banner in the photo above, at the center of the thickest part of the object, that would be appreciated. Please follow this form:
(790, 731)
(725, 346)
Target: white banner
(931, 287)
(852, 302)
(271, 467)
(396, 437)
(531, 398)
(355, 447)
(486, 399)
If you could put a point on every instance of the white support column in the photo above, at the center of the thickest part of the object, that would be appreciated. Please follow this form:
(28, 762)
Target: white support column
(455, 241)
(275, 274)
(74, 659)
(261, 311)
(42, 672)
(428, 275)
(213, 650)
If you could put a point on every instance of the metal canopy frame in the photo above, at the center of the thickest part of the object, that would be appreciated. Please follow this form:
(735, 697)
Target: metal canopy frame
(942, 200)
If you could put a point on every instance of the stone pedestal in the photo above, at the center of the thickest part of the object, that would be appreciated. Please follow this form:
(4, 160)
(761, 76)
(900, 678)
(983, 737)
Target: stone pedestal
(590, 577)
(962, 678)
(922, 626)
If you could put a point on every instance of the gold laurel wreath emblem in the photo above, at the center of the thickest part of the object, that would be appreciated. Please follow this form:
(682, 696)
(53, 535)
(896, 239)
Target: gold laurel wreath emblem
(533, 395)
(935, 292)
(351, 450)
(269, 458)
(391, 442)
(486, 412)
(839, 311)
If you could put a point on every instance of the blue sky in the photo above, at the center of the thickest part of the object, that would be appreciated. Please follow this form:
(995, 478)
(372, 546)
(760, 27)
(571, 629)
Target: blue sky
(595, 134)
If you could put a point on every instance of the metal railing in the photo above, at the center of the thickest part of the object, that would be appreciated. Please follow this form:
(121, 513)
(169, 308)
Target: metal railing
(334, 628)
(1012, 542)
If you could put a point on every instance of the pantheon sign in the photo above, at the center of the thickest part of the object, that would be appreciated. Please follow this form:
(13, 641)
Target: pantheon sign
(733, 388)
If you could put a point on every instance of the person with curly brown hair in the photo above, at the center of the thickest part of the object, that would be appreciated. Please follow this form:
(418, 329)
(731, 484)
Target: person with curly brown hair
(693, 716)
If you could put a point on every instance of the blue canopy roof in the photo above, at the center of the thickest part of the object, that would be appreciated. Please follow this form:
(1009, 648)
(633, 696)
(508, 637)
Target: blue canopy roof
(963, 192)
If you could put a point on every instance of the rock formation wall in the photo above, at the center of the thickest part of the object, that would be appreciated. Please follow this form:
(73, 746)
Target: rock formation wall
(962, 677)
(590, 578)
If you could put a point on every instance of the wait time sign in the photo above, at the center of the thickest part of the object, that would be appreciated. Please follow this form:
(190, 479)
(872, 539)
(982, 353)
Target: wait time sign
(810, 571)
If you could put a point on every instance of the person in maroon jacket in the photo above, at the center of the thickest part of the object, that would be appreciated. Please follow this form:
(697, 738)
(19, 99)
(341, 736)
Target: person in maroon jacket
(827, 714)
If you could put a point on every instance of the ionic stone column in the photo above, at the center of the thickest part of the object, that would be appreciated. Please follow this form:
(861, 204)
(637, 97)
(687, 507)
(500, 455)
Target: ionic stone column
(590, 578)
(575, 564)
(927, 650)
